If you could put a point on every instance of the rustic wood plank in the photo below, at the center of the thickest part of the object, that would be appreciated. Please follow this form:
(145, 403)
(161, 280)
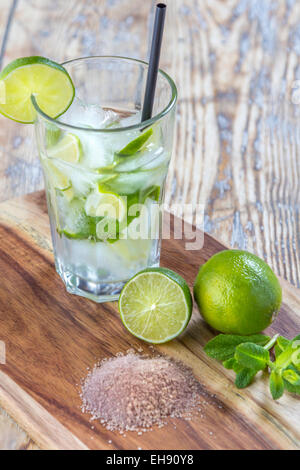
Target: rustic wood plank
(70, 333)
(236, 148)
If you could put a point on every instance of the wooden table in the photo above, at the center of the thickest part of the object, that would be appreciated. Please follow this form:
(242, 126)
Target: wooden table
(237, 143)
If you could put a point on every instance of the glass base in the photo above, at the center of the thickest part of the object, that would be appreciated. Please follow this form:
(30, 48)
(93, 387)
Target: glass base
(98, 292)
(87, 279)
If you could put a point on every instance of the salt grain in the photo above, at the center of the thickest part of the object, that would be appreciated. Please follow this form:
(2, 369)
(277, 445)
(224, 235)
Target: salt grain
(133, 393)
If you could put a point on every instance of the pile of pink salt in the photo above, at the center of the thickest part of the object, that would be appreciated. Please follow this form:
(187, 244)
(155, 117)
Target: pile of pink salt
(135, 393)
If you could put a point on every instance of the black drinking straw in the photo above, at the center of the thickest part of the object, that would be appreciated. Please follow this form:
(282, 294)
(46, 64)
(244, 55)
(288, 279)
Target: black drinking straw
(154, 61)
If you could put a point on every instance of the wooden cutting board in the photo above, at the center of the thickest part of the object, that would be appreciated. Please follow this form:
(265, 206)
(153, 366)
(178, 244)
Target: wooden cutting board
(52, 338)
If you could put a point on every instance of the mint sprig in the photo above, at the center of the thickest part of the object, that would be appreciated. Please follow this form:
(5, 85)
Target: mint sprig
(247, 355)
(223, 347)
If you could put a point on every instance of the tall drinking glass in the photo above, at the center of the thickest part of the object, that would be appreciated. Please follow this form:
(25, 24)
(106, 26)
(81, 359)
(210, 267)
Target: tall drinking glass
(105, 173)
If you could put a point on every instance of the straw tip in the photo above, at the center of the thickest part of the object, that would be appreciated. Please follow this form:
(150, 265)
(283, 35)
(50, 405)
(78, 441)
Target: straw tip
(161, 5)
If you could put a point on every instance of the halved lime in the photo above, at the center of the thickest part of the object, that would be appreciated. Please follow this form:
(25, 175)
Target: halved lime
(156, 305)
(136, 144)
(69, 149)
(47, 81)
(104, 203)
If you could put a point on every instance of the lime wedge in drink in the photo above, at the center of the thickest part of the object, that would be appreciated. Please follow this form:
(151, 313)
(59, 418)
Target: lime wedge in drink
(58, 179)
(52, 134)
(156, 305)
(68, 193)
(135, 145)
(77, 224)
(104, 203)
(153, 192)
(69, 149)
(49, 83)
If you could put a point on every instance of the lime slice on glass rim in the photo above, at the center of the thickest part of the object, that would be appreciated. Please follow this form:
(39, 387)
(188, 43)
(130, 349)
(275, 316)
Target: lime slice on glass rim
(69, 149)
(156, 305)
(29, 78)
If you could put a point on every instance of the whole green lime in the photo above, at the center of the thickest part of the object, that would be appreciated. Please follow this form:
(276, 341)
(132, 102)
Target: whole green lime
(237, 293)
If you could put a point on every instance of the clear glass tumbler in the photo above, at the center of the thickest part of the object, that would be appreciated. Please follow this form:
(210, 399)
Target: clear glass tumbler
(105, 173)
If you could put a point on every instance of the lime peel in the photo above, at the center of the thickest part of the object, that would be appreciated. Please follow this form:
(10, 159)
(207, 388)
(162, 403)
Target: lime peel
(135, 145)
(68, 149)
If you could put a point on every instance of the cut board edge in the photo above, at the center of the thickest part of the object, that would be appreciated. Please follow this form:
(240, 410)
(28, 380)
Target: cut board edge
(45, 430)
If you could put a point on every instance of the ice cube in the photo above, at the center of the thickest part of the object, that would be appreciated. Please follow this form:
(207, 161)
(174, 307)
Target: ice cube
(99, 148)
(82, 115)
(131, 120)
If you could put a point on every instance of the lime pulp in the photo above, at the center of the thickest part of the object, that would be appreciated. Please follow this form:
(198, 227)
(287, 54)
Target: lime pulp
(156, 305)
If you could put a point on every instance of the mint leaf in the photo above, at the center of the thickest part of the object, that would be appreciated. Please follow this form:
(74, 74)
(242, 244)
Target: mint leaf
(285, 358)
(230, 363)
(292, 388)
(277, 350)
(296, 358)
(247, 355)
(222, 347)
(283, 343)
(276, 385)
(245, 377)
(291, 376)
(135, 145)
(252, 356)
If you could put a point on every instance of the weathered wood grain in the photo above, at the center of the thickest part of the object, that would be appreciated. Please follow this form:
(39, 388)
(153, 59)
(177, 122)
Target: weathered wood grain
(11, 436)
(234, 61)
(53, 337)
(237, 143)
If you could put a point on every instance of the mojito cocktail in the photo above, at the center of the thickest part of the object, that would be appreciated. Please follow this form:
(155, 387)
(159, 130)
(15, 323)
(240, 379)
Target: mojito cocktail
(105, 173)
